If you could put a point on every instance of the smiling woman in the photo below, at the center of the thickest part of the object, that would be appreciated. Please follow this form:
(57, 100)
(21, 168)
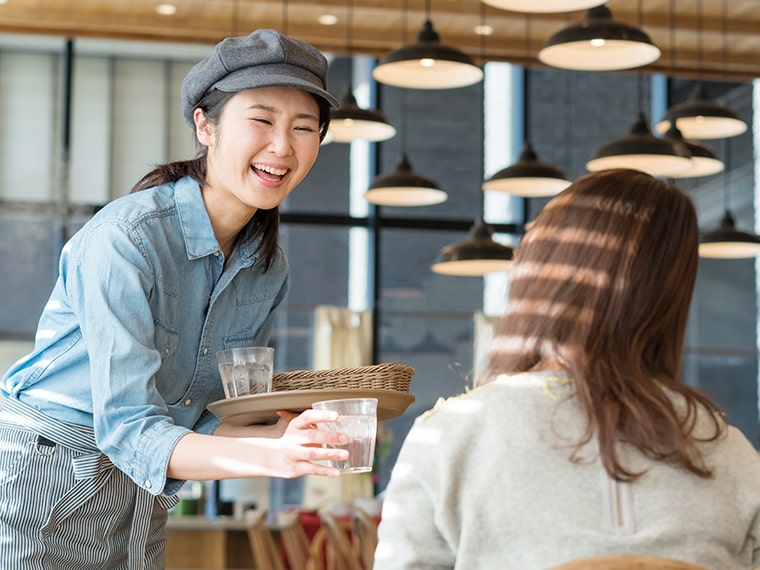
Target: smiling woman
(149, 290)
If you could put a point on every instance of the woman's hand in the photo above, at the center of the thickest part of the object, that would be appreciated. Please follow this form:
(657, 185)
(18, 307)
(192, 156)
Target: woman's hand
(286, 449)
(301, 443)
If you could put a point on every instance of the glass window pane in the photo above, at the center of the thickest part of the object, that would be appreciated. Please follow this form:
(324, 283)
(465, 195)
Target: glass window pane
(27, 125)
(29, 247)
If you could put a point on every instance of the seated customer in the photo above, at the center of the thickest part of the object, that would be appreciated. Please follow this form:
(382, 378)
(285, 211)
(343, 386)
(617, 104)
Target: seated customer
(581, 439)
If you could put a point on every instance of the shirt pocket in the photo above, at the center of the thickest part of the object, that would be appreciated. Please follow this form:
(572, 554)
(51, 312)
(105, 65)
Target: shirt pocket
(239, 340)
(169, 378)
(165, 339)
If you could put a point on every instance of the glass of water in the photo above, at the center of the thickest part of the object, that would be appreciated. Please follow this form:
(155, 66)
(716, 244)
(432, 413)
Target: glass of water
(246, 370)
(358, 420)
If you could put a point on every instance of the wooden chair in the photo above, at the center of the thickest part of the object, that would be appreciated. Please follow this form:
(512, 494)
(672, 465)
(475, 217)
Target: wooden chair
(318, 552)
(341, 554)
(266, 553)
(626, 562)
(295, 541)
(365, 535)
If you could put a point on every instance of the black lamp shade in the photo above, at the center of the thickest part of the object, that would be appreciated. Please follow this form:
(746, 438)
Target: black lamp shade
(404, 187)
(599, 43)
(699, 117)
(478, 255)
(351, 122)
(528, 177)
(427, 64)
(727, 242)
(641, 150)
(703, 159)
(543, 6)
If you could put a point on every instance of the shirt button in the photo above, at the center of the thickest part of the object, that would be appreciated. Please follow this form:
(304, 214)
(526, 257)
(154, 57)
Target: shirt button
(205, 351)
(147, 483)
(188, 402)
(216, 254)
(166, 351)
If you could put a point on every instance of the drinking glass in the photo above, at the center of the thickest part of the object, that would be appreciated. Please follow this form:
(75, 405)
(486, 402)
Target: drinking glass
(358, 420)
(246, 370)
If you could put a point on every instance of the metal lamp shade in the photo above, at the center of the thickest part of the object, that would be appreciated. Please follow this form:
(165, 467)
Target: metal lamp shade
(528, 177)
(427, 64)
(729, 243)
(543, 6)
(351, 122)
(599, 43)
(703, 160)
(699, 117)
(478, 255)
(404, 187)
(641, 150)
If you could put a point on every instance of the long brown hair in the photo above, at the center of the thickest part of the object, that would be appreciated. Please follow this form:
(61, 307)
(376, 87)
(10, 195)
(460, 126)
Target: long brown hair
(602, 285)
(265, 223)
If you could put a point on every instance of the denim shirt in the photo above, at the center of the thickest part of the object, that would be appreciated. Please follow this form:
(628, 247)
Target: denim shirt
(126, 343)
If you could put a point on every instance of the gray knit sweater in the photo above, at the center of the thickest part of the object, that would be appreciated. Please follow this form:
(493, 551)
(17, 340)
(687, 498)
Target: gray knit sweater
(484, 481)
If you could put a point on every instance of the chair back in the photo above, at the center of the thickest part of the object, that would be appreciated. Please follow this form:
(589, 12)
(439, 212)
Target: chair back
(266, 554)
(339, 543)
(365, 533)
(295, 541)
(627, 562)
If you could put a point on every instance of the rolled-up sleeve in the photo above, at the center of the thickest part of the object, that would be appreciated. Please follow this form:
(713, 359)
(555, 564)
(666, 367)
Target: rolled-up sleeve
(109, 288)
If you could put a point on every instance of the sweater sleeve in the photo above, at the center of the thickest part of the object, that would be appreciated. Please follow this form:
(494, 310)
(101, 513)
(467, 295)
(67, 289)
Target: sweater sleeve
(409, 537)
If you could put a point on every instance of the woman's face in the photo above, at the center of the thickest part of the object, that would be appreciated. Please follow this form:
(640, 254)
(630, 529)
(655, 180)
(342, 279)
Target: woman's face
(264, 145)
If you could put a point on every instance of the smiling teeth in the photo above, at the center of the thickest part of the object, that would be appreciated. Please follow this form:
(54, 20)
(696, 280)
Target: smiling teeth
(271, 170)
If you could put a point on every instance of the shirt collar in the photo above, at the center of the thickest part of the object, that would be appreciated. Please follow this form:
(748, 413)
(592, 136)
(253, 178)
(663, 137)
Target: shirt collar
(198, 234)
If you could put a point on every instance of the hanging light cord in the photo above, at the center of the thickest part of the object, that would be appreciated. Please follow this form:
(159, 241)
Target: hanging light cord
(724, 34)
(349, 25)
(285, 17)
(640, 81)
(349, 40)
(526, 82)
(672, 24)
(404, 118)
(404, 21)
(427, 9)
(568, 119)
(481, 194)
(699, 39)
(726, 174)
(235, 17)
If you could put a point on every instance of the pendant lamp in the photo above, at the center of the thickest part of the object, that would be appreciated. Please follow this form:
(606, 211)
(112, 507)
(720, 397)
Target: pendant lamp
(641, 150)
(699, 117)
(479, 254)
(704, 161)
(599, 43)
(404, 187)
(351, 122)
(427, 63)
(728, 242)
(543, 6)
(528, 177)
(476, 256)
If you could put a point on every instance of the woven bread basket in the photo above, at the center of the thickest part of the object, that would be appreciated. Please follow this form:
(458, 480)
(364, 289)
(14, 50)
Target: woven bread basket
(386, 376)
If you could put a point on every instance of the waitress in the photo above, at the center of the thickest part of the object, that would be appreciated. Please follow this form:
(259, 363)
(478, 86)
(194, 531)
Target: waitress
(106, 418)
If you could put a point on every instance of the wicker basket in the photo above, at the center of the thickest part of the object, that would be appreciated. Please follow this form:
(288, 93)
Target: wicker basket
(386, 376)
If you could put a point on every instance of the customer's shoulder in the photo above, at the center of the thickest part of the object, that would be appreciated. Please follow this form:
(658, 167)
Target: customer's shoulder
(503, 394)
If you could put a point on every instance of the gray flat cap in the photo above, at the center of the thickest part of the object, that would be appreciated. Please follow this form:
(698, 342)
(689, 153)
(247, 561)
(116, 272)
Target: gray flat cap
(264, 58)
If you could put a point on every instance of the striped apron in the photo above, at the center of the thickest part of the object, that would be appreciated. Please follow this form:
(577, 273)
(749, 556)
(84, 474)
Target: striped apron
(64, 505)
